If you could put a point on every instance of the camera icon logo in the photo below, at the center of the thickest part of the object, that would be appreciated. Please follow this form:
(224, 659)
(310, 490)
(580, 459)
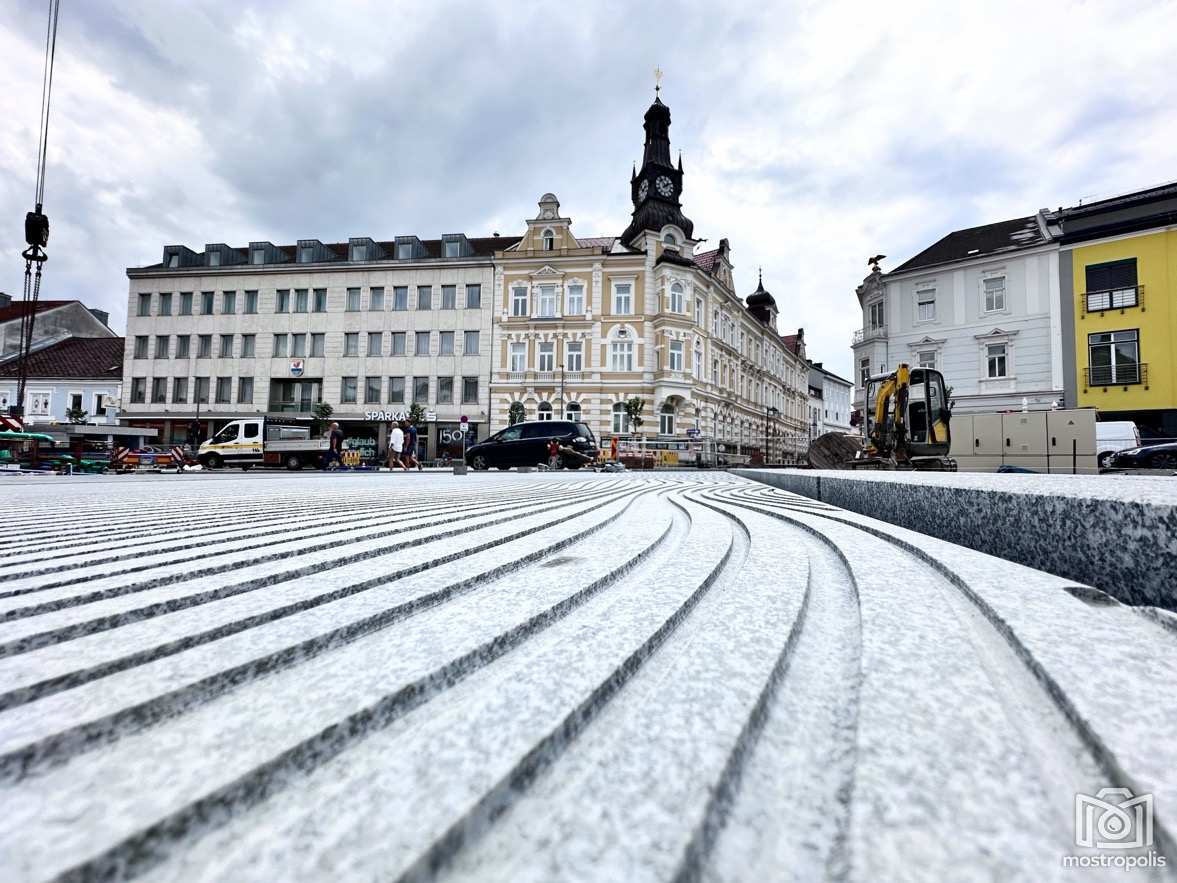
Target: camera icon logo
(1114, 819)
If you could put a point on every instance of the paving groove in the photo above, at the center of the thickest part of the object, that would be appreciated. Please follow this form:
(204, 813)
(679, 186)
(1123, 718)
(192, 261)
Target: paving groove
(670, 677)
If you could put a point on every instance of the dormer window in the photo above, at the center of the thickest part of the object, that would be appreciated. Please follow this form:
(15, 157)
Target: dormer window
(453, 248)
(214, 258)
(257, 256)
(306, 254)
(359, 252)
(173, 260)
(670, 240)
(404, 251)
(549, 239)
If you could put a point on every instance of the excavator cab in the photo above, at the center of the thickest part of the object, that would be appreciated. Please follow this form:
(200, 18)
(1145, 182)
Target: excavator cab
(908, 418)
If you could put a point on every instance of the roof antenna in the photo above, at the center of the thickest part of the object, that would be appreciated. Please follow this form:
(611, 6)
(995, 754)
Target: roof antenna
(657, 82)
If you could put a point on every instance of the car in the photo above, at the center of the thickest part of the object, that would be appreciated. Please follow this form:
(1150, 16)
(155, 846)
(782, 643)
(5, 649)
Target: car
(526, 444)
(1163, 456)
(1112, 436)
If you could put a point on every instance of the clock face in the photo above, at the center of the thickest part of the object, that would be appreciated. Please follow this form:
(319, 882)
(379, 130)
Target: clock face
(643, 190)
(665, 185)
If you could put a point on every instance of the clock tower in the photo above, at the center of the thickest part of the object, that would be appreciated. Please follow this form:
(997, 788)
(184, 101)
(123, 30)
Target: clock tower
(656, 189)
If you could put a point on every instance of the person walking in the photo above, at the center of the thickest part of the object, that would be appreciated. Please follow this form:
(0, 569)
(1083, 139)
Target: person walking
(334, 453)
(396, 446)
(411, 446)
(554, 453)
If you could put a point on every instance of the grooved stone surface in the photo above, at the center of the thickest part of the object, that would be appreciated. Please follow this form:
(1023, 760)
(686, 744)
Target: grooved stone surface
(548, 677)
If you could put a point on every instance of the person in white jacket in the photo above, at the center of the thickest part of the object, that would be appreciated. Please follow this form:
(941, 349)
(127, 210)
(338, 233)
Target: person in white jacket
(396, 444)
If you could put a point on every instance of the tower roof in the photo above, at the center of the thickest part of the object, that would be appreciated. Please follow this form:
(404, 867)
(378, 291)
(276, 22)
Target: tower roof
(760, 297)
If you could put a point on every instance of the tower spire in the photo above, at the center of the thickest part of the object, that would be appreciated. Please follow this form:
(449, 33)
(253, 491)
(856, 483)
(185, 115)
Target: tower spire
(657, 83)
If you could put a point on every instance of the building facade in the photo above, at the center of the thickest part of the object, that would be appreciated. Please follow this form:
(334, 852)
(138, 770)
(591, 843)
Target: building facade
(82, 375)
(586, 324)
(1118, 268)
(980, 305)
(368, 327)
(834, 395)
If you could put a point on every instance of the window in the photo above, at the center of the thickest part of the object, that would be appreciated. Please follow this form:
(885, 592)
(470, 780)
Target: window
(620, 419)
(1112, 285)
(547, 356)
(926, 359)
(449, 297)
(574, 356)
(159, 390)
(248, 345)
(421, 343)
(224, 390)
(697, 362)
(547, 301)
(621, 355)
(575, 305)
(404, 251)
(421, 390)
(258, 256)
(864, 372)
(376, 300)
(445, 390)
(519, 301)
(875, 314)
(424, 297)
(228, 302)
(144, 305)
(280, 351)
(670, 239)
(214, 258)
(318, 344)
(995, 358)
(202, 390)
(372, 390)
(353, 300)
(675, 362)
(206, 302)
(925, 305)
(677, 299)
(549, 239)
(306, 254)
(180, 391)
(699, 311)
(182, 346)
(469, 390)
(161, 346)
(994, 288)
(250, 302)
(452, 248)
(359, 252)
(398, 343)
(185, 303)
(226, 350)
(445, 343)
(470, 343)
(282, 301)
(301, 305)
(298, 344)
(351, 343)
(473, 297)
(396, 390)
(572, 412)
(1114, 358)
(666, 420)
(375, 343)
(165, 303)
(544, 411)
(622, 297)
(518, 359)
(245, 391)
(138, 390)
(347, 390)
(319, 300)
(204, 346)
(400, 297)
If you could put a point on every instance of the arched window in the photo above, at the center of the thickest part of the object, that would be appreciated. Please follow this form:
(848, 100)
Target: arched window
(670, 239)
(545, 410)
(666, 419)
(620, 419)
(549, 240)
(677, 299)
(572, 411)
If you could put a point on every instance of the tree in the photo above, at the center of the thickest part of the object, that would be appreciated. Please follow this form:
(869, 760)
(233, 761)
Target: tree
(515, 413)
(76, 415)
(416, 414)
(322, 412)
(633, 410)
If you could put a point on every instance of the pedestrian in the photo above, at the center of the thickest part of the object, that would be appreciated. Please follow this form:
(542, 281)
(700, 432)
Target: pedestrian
(396, 446)
(411, 446)
(194, 434)
(554, 453)
(613, 448)
(334, 452)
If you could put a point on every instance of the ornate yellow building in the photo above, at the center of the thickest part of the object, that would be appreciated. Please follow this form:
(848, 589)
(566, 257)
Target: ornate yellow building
(583, 325)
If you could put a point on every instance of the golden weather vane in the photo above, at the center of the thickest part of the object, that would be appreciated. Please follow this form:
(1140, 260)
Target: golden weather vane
(657, 80)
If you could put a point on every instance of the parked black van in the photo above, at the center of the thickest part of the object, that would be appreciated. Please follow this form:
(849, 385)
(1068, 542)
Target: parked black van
(526, 444)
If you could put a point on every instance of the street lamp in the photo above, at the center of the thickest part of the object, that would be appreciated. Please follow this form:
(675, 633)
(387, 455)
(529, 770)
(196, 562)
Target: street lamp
(769, 411)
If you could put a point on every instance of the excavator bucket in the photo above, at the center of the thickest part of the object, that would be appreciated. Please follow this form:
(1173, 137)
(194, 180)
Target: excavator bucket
(834, 450)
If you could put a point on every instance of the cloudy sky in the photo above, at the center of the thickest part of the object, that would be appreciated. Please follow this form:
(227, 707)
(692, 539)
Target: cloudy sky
(814, 134)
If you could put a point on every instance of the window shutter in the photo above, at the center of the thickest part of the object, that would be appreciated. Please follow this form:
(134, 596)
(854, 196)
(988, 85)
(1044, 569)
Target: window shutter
(1113, 274)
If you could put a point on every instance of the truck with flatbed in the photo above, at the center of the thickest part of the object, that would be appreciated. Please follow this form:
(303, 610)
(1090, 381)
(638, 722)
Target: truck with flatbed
(262, 441)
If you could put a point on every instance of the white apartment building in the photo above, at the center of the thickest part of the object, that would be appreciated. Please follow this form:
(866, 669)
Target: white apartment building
(829, 401)
(368, 327)
(982, 306)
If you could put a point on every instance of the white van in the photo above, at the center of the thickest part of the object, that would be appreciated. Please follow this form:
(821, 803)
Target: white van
(1112, 436)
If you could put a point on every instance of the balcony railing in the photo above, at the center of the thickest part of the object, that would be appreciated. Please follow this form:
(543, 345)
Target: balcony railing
(864, 334)
(1132, 374)
(1111, 299)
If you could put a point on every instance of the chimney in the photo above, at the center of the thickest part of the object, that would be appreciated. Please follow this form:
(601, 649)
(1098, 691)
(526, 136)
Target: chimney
(5, 300)
(101, 315)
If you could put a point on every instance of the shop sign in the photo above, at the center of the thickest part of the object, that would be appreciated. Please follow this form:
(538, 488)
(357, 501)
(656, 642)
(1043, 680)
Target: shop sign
(386, 416)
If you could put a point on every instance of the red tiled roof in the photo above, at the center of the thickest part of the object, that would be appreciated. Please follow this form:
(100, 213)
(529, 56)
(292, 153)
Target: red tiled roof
(706, 260)
(791, 341)
(75, 358)
(16, 309)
